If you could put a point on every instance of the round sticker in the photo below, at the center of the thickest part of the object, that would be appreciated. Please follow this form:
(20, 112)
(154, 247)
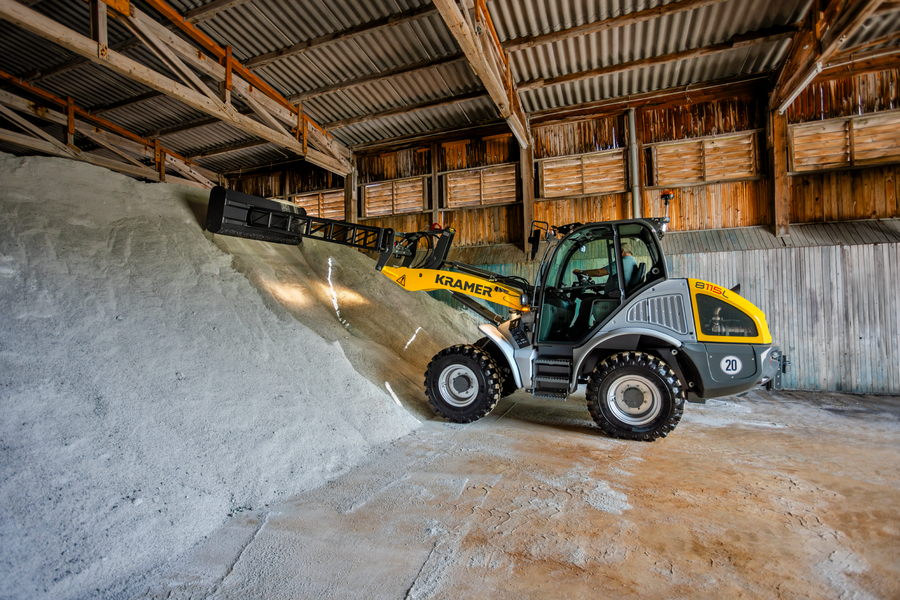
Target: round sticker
(731, 365)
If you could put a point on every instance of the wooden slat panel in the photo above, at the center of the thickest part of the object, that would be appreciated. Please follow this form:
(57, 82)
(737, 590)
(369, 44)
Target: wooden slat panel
(499, 185)
(310, 202)
(604, 172)
(562, 177)
(463, 189)
(679, 163)
(408, 195)
(821, 145)
(333, 205)
(877, 138)
(379, 198)
(729, 158)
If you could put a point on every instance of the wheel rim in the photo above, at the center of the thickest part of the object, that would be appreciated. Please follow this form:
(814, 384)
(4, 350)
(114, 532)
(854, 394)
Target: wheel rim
(634, 400)
(458, 385)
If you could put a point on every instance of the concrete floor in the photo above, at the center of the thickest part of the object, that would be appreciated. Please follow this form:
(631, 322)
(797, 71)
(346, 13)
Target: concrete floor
(782, 495)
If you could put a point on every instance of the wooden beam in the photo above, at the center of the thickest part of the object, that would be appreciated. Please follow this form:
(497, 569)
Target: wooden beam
(351, 190)
(47, 148)
(435, 183)
(393, 20)
(120, 136)
(750, 39)
(39, 133)
(410, 108)
(45, 27)
(882, 59)
(244, 87)
(211, 9)
(526, 170)
(695, 92)
(227, 149)
(812, 48)
(98, 23)
(489, 61)
(413, 68)
(780, 185)
(640, 16)
(102, 108)
(76, 63)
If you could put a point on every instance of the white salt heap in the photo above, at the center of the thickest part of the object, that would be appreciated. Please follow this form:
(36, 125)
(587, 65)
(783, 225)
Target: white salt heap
(155, 378)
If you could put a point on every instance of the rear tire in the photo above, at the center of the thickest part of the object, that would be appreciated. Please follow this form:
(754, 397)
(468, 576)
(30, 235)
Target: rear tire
(462, 383)
(636, 396)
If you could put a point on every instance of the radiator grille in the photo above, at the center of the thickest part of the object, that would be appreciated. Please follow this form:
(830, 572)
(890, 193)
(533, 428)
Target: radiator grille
(665, 311)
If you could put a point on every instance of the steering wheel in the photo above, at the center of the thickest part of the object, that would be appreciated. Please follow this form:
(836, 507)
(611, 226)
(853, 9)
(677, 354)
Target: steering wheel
(582, 278)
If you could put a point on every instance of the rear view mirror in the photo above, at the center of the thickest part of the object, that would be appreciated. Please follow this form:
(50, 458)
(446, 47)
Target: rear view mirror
(535, 241)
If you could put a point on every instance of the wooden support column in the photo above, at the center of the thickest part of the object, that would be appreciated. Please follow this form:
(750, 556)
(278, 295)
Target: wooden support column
(435, 187)
(70, 122)
(526, 168)
(225, 86)
(350, 195)
(159, 156)
(98, 26)
(780, 185)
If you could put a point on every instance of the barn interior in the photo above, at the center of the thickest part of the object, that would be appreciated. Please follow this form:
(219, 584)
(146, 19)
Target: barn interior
(190, 414)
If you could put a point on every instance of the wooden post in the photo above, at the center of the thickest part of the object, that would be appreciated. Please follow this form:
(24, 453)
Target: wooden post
(225, 86)
(780, 185)
(526, 168)
(70, 122)
(350, 196)
(98, 27)
(435, 188)
(159, 155)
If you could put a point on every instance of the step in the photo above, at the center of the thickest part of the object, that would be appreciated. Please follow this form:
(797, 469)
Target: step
(561, 397)
(550, 379)
(556, 362)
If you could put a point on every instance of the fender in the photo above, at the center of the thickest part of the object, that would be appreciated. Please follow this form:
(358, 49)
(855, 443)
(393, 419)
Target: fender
(586, 350)
(505, 347)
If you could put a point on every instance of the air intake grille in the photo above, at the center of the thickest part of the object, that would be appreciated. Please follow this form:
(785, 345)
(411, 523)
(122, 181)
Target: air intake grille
(665, 311)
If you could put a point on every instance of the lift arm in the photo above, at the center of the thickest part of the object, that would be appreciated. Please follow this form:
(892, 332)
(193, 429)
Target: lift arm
(242, 215)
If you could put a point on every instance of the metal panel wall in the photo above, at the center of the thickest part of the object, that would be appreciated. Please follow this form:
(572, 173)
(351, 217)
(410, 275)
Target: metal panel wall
(835, 310)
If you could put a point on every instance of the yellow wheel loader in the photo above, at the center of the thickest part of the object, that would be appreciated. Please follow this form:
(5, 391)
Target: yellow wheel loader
(602, 311)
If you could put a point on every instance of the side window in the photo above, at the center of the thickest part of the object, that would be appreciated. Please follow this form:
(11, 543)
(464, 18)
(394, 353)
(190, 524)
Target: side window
(642, 261)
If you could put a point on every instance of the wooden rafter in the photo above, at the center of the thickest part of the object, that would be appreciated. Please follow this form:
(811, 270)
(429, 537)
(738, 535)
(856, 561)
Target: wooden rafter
(411, 108)
(125, 148)
(50, 99)
(742, 41)
(211, 9)
(65, 37)
(480, 44)
(532, 41)
(861, 62)
(820, 38)
(76, 63)
(228, 149)
(330, 154)
(410, 69)
(340, 36)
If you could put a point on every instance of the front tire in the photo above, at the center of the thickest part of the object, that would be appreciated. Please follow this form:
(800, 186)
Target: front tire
(462, 383)
(635, 395)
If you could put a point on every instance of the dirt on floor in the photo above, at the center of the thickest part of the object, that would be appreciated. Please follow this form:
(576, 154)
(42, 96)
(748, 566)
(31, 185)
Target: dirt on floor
(773, 495)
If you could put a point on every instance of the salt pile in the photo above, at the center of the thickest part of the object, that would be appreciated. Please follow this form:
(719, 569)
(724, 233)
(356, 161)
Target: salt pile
(155, 378)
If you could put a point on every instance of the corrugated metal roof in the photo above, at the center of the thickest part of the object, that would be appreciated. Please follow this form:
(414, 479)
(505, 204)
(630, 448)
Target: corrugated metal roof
(259, 26)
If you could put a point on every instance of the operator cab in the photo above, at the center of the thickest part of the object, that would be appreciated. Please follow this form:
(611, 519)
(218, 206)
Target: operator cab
(591, 273)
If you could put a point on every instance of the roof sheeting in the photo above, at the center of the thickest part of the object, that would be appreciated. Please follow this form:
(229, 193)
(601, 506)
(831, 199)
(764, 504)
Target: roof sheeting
(256, 27)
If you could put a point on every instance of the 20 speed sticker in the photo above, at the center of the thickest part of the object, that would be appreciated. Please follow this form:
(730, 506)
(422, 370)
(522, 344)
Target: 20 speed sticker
(731, 365)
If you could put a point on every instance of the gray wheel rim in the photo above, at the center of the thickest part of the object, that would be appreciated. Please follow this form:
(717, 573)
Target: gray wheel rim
(634, 400)
(458, 385)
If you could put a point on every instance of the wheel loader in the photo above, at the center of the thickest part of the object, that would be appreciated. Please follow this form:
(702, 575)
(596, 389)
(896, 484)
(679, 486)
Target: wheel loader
(602, 311)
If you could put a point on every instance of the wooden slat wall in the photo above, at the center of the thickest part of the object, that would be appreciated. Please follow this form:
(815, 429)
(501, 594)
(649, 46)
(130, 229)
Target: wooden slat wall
(309, 202)
(820, 145)
(474, 227)
(679, 163)
(701, 119)
(611, 207)
(589, 174)
(477, 187)
(869, 193)
(378, 198)
(860, 94)
(714, 206)
(394, 165)
(581, 137)
(729, 157)
(498, 184)
(833, 309)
